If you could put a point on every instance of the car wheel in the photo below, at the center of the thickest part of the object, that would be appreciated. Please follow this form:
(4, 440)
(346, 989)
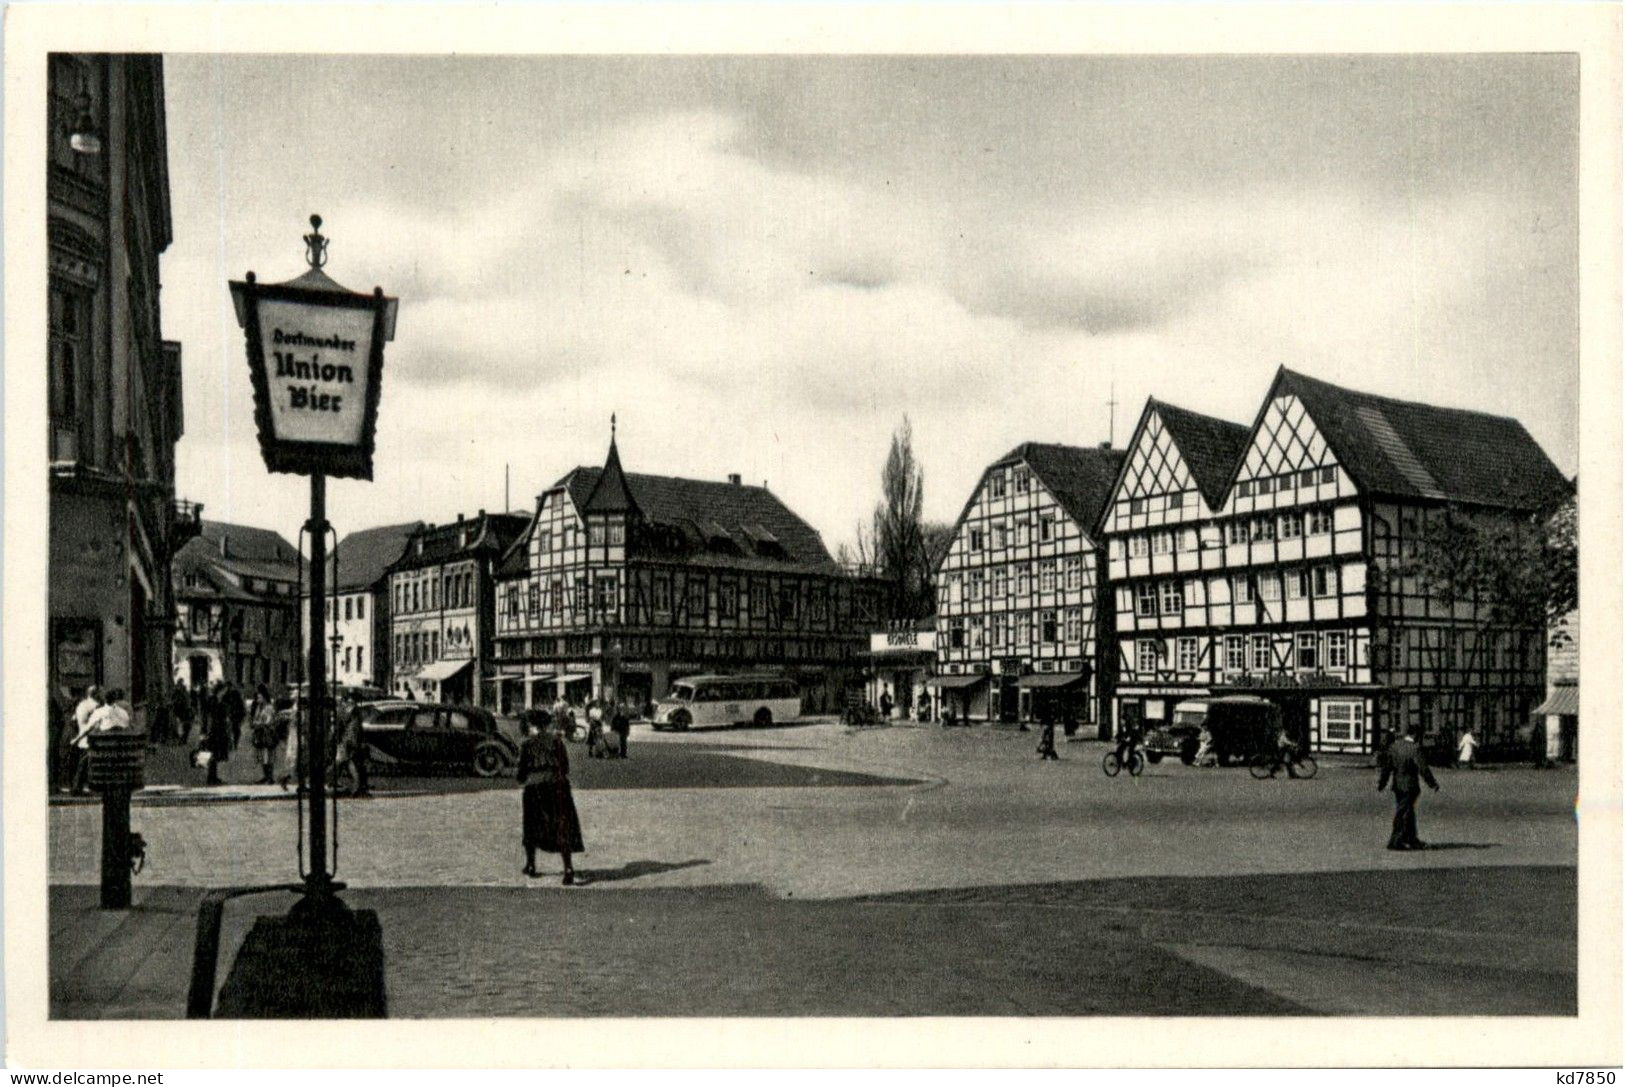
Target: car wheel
(763, 718)
(489, 760)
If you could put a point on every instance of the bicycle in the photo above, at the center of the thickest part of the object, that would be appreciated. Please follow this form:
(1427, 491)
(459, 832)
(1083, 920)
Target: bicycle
(1114, 763)
(1296, 765)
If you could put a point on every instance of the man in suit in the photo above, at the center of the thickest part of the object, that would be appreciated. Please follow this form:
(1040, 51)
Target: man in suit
(1403, 762)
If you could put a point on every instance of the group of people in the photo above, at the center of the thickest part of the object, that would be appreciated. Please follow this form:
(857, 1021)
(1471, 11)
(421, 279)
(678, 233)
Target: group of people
(97, 711)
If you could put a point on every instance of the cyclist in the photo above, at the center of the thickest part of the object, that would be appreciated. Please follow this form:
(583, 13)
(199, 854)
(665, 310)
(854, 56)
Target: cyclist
(1129, 737)
(1286, 754)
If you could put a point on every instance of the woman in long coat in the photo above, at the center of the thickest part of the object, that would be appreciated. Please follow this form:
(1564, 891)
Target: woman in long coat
(550, 821)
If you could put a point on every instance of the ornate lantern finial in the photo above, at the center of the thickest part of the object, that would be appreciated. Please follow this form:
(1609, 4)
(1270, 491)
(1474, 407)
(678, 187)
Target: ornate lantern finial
(315, 244)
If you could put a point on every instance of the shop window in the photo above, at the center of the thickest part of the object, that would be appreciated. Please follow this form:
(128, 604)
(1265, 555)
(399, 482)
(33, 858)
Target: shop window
(1342, 721)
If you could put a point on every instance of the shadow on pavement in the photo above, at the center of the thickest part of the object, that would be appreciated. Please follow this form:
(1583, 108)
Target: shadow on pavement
(632, 870)
(1432, 846)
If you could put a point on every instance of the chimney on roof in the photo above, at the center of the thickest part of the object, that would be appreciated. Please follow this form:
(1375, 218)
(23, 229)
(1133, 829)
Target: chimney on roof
(733, 477)
(459, 518)
(482, 513)
(1105, 445)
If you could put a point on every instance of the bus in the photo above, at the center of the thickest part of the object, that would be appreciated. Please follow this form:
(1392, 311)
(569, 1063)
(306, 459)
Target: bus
(728, 700)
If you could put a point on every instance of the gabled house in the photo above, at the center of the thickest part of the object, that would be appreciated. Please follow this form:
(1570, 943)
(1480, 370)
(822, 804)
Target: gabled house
(237, 592)
(1296, 578)
(1017, 622)
(623, 582)
(358, 637)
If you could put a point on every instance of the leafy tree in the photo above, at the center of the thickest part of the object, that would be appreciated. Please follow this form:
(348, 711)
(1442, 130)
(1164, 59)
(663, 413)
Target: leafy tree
(1521, 572)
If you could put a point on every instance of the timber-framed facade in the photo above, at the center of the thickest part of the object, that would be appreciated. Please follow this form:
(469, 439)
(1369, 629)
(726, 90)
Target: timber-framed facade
(1017, 622)
(625, 582)
(1280, 560)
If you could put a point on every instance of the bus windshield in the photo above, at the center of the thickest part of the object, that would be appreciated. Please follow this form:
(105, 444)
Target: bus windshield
(682, 692)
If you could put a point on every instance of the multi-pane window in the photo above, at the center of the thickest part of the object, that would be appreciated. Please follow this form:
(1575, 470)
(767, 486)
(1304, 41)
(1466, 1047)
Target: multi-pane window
(1138, 546)
(1187, 539)
(1046, 576)
(1074, 624)
(533, 604)
(1325, 581)
(1024, 630)
(1001, 582)
(696, 597)
(360, 607)
(617, 532)
(1023, 531)
(544, 541)
(1176, 500)
(1308, 650)
(976, 539)
(1235, 653)
(1046, 527)
(1024, 578)
(1237, 531)
(1320, 521)
(1145, 599)
(1291, 525)
(1337, 649)
(1242, 589)
(1136, 506)
(1342, 720)
(1145, 655)
(607, 600)
(1269, 587)
(956, 634)
(1261, 653)
(1264, 486)
(555, 597)
(1074, 571)
(1328, 474)
(1024, 481)
(997, 483)
(727, 600)
(1047, 627)
(956, 589)
(973, 589)
(70, 351)
(758, 598)
(1263, 528)
(995, 631)
(1297, 584)
(976, 632)
(1244, 489)
(1306, 478)
(660, 592)
(1173, 597)
(1001, 535)
(1162, 543)
(1186, 658)
(583, 600)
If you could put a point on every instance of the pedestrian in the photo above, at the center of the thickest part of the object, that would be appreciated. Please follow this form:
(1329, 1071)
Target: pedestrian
(182, 708)
(79, 745)
(410, 697)
(1204, 749)
(216, 738)
(236, 713)
(113, 715)
(885, 704)
(621, 725)
(353, 750)
(288, 736)
(1403, 763)
(549, 812)
(1466, 749)
(1537, 744)
(1046, 741)
(262, 732)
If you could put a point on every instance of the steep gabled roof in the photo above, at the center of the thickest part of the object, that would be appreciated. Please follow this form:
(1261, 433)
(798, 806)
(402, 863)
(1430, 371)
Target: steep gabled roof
(610, 493)
(1400, 448)
(698, 508)
(1210, 447)
(251, 544)
(1080, 477)
(364, 557)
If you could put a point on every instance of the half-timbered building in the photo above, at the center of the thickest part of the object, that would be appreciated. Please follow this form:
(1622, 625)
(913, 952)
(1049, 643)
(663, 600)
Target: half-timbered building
(1017, 624)
(1291, 570)
(625, 582)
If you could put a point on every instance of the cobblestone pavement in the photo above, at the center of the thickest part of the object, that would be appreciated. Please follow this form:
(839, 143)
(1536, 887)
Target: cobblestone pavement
(991, 884)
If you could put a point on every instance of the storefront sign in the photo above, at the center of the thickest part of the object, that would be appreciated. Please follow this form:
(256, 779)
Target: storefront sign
(1278, 680)
(903, 641)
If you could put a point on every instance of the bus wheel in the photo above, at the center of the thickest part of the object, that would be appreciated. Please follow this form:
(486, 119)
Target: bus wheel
(763, 718)
(680, 720)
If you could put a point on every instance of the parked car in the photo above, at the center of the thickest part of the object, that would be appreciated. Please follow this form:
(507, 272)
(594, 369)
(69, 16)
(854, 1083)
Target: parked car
(1242, 726)
(405, 735)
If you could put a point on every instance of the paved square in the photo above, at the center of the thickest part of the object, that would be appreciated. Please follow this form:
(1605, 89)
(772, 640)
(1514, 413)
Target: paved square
(813, 870)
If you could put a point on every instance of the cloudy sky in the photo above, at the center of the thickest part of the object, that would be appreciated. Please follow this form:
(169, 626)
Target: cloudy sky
(762, 264)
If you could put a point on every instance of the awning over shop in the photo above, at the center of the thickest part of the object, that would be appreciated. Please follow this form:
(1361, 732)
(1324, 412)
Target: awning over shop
(1050, 680)
(440, 671)
(572, 677)
(956, 683)
(1563, 702)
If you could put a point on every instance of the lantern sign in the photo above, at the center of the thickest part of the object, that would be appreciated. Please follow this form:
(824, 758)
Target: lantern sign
(316, 355)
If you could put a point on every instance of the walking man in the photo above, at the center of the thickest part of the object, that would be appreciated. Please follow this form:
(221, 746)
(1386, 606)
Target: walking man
(1403, 762)
(621, 725)
(79, 746)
